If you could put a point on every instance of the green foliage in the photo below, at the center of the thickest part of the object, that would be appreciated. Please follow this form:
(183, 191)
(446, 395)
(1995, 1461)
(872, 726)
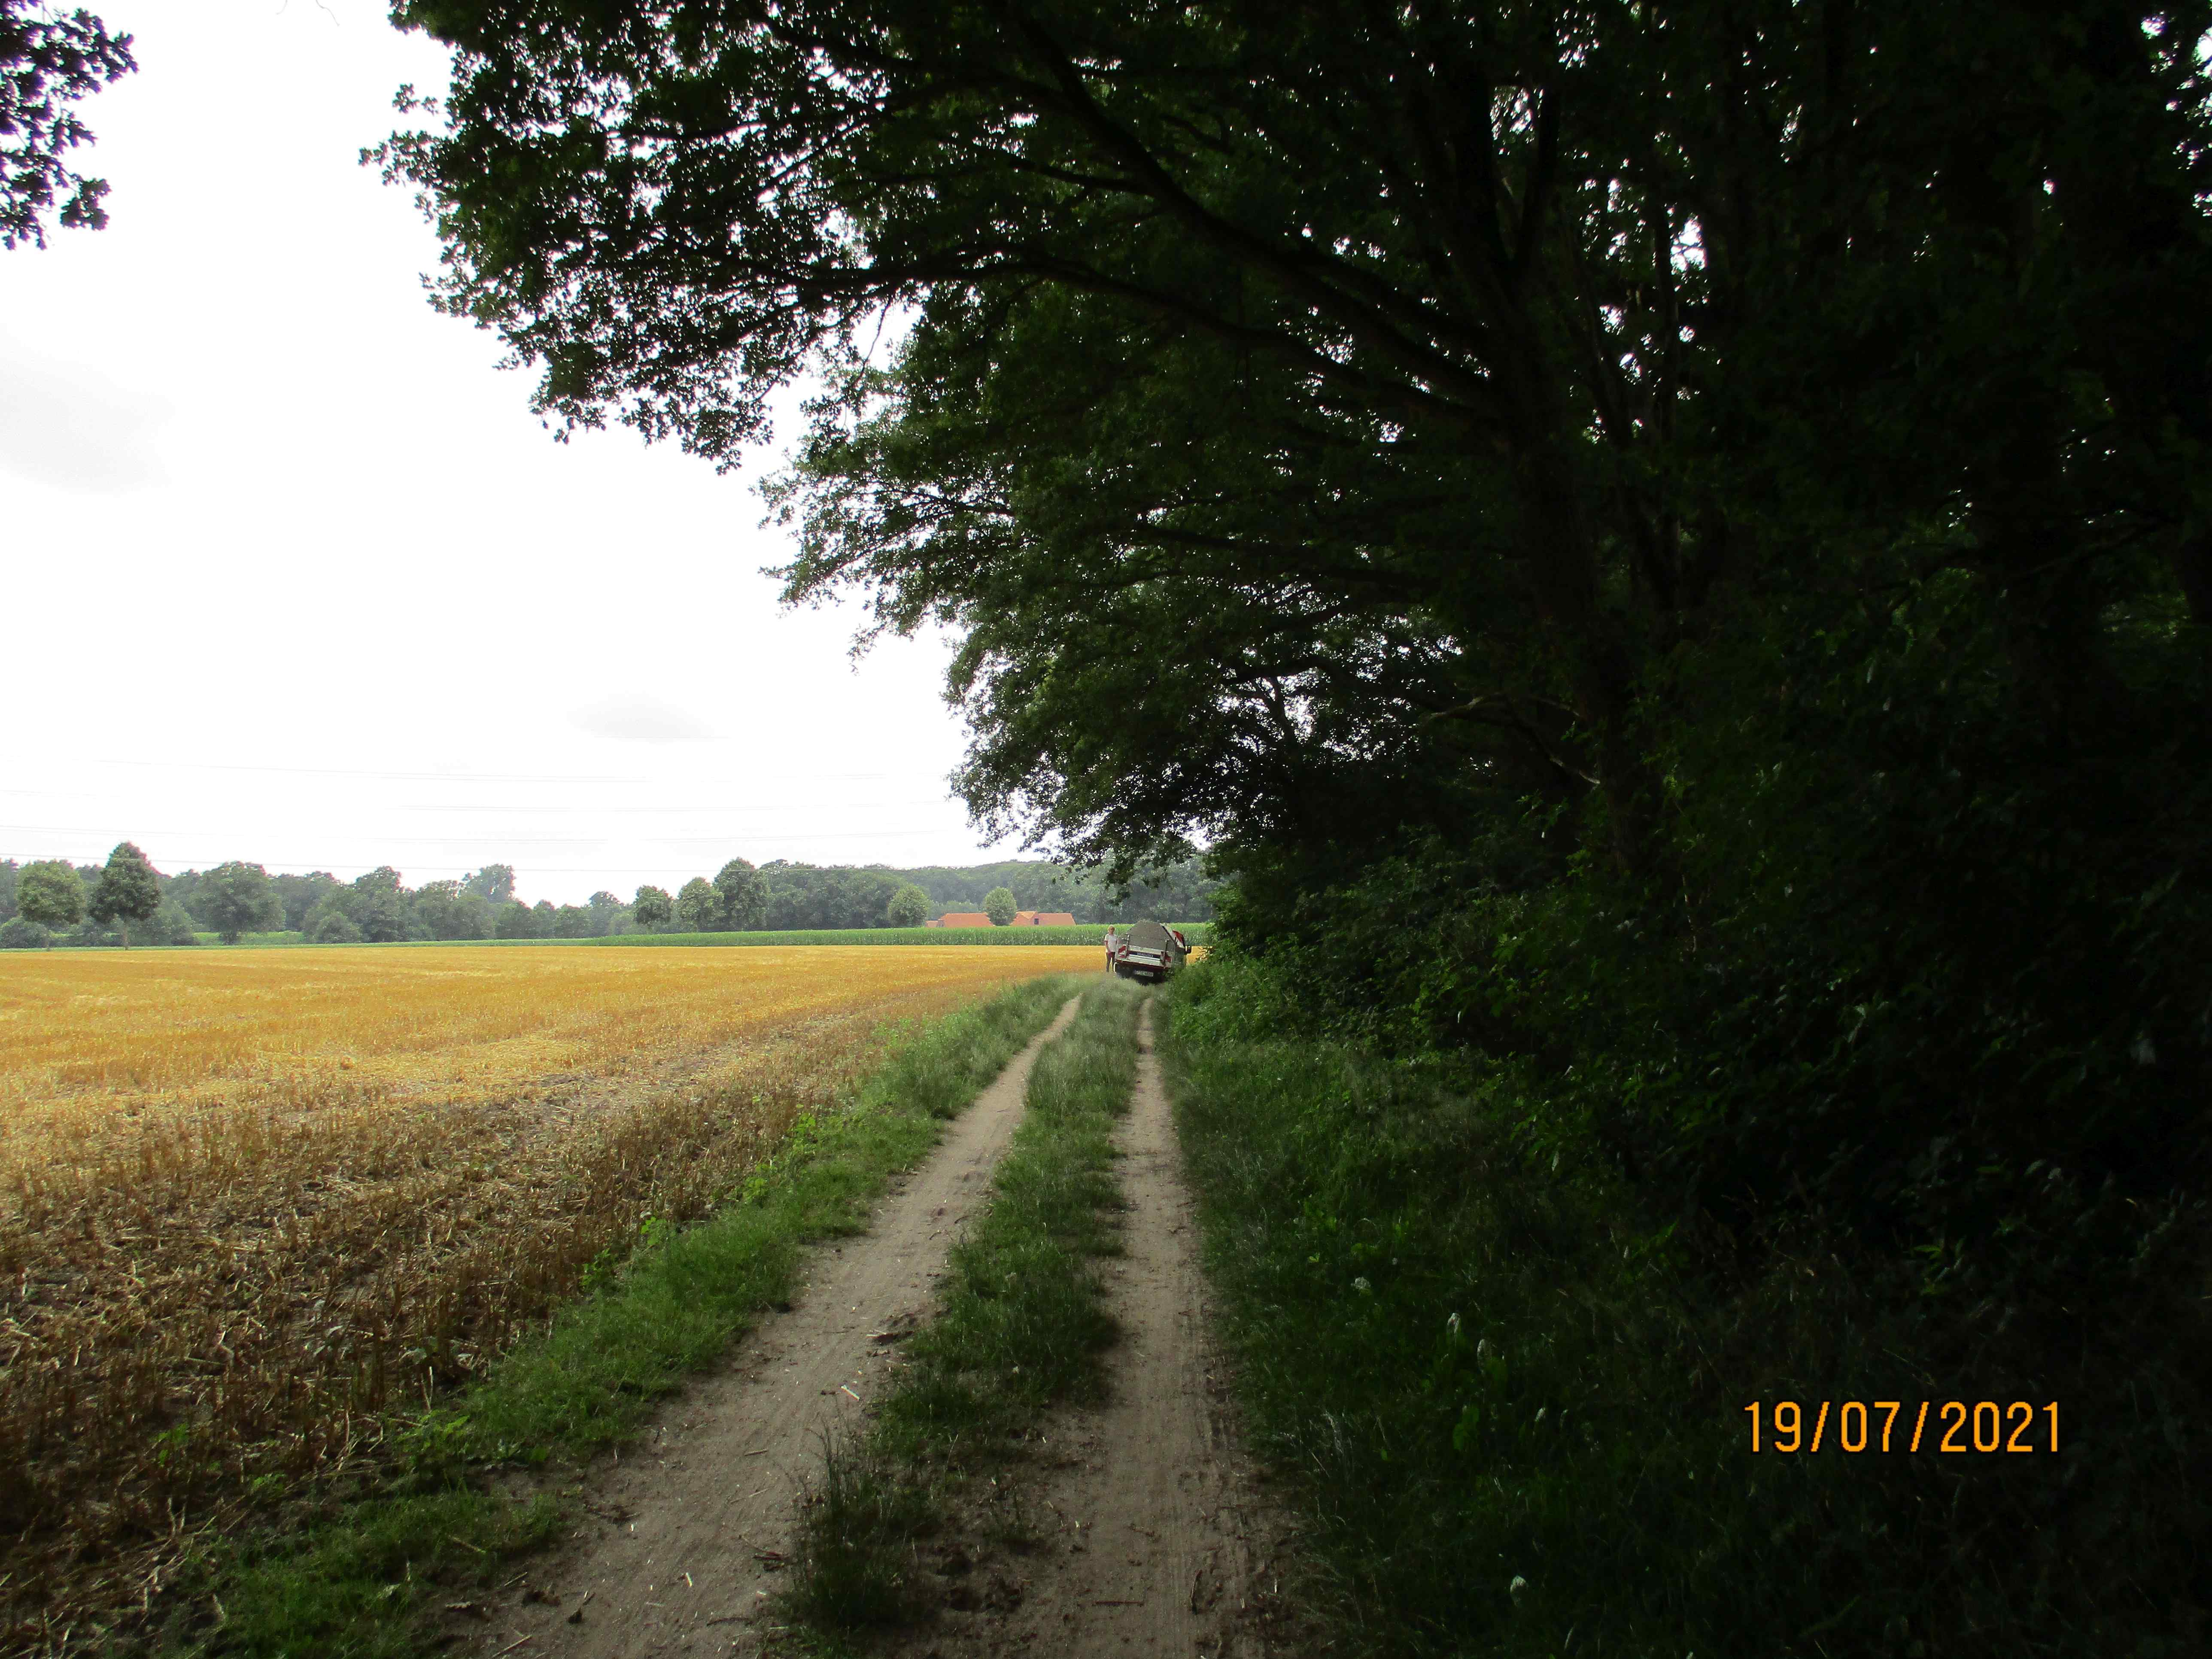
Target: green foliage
(699, 905)
(999, 905)
(21, 933)
(333, 927)
(171, 925)
(238, 898)
(50, 893)
(129, 890)
(909, 907)
(50, 61)
(336, 924)
(301, 894)
(652, 908)
(795, 897)
(801, 895)
(743, 896)
(1921, 951)
(1178, 889)
(1490, 452)
(1509, 1393)
(494, 884)
(572, 921)
(380, 908)
(1197, 931)
(516, 921)
(448, 910)
(855, 1570)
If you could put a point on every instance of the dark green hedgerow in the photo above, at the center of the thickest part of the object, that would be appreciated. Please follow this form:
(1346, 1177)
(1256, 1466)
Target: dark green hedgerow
(1512, 1399)
(1023, 1326)
(354, 1572)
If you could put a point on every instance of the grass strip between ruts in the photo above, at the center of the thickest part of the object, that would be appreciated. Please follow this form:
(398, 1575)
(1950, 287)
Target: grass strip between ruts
(1023, 1326)
(357, 1578)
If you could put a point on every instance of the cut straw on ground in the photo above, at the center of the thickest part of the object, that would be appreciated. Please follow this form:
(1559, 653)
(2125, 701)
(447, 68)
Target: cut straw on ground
(218, 1294)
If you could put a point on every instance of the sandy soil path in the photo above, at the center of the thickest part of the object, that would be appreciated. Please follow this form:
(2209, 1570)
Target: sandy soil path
(683, 1534)
(1158, 1537)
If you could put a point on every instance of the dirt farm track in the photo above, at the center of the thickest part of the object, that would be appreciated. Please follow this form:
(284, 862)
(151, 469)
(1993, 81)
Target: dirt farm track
(248, 1197)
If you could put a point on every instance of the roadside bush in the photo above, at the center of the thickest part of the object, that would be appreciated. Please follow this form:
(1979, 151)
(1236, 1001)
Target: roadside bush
(21, 933)
(1925, 962)
(517, 920)
(1512, 1396)
(1890, 1069)
(170, 925)
(333, 927)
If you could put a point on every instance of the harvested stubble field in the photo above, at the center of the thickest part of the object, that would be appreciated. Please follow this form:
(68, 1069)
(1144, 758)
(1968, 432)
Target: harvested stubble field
(249, 1200)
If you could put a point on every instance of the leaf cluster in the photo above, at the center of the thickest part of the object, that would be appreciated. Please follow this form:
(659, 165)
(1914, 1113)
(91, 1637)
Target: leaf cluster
(48, 63)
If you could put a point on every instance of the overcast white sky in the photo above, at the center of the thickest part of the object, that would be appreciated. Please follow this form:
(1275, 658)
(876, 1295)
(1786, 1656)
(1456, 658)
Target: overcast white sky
(292, 573)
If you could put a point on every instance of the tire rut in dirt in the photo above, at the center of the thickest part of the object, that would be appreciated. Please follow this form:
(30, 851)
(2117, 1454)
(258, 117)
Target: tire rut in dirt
(682, 1537)
(1151, 1534)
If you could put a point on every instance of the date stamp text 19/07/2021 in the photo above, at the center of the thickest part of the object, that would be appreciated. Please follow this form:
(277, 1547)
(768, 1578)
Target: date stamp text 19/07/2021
(1960, 1425)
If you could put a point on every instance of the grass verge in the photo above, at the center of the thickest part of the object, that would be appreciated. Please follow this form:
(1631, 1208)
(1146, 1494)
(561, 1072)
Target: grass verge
(1512, 1404)
(359, 1572)
(1024, 1325)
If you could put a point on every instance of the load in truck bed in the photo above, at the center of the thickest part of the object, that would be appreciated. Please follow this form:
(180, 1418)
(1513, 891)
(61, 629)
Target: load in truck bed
(1145, 949)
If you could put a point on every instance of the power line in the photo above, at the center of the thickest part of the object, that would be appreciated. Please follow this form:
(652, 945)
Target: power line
(428, 839)
(430, 777)
(593, 807)
(343, 772)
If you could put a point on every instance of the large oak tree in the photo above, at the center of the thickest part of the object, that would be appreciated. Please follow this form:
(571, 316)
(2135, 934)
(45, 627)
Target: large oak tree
(1463, 359)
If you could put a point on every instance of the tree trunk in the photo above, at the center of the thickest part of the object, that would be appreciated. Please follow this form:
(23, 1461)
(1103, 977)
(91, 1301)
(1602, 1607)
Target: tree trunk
(1594, 648)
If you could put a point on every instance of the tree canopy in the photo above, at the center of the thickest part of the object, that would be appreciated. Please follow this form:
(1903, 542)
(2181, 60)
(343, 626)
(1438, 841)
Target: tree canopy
(908, 906)
(129, 890)
(653, 908)
(49, 63)
(699, 905)
(743, 896)
(51, 893)
(380, 907)
(237, 898)
(1547, 332)
(494, 884)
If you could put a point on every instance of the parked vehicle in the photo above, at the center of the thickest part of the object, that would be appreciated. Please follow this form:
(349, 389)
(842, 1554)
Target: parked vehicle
(1145, 949)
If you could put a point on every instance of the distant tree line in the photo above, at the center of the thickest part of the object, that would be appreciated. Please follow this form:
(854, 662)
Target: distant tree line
(127, 902)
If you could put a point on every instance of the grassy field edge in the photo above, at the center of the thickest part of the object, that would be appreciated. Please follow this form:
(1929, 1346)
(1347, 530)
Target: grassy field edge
(1023, 1326)
(355, 1572)
(1082, 932)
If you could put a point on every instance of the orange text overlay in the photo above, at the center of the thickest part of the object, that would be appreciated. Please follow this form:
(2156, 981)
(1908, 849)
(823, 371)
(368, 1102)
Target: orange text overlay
(1897, 1426)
